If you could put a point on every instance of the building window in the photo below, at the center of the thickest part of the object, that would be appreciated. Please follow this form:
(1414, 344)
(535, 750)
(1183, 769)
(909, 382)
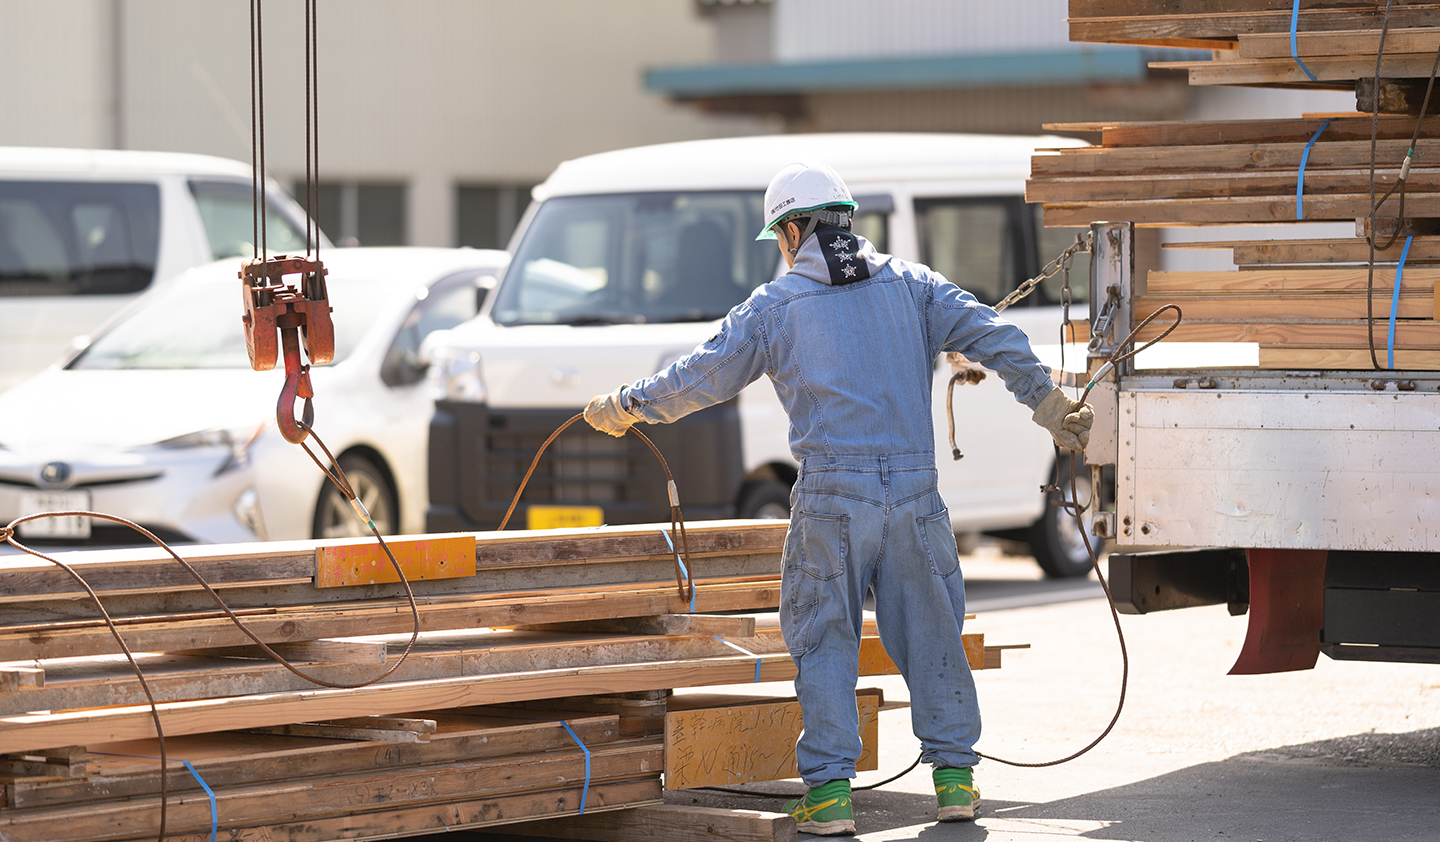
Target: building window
(361, 213)
(486, 215)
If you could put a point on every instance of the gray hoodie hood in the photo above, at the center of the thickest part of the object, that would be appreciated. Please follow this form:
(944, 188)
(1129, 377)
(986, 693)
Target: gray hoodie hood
(837, 257)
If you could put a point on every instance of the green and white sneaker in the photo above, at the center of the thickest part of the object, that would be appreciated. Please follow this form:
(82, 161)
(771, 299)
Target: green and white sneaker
(956, 792)
(825, 810)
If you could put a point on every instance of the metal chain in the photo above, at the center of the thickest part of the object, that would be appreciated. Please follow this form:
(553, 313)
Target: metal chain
(1081, 244)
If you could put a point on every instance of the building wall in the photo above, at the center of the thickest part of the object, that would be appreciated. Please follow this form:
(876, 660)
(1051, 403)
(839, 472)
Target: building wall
(826, 30)
(431, 94)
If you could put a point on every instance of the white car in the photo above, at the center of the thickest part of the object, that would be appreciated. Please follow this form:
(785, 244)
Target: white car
(161, 420)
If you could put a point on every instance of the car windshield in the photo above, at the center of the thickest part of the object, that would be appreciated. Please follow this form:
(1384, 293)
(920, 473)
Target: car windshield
(196, 324)
(632, 258)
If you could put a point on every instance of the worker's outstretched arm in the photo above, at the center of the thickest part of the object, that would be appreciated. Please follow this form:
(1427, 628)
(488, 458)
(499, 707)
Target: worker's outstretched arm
(715, 371)
(960, 323)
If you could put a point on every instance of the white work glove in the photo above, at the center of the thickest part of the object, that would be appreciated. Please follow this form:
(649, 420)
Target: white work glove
(606, 414)
(1068, 421)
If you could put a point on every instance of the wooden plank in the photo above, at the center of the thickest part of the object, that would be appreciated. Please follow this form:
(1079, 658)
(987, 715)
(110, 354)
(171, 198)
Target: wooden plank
(1265, 131)
(387, 616)
(716, 625)
(234, 759)
(1268, 308)
(390, 729)
(745, 743)
(1317, 251)
(14, 678)
(1228, 210)
(25, 732)
(1146, 29)
(1147, 185)
(59, 762)
(1285, 71)
(1284, 357)
(606, 551)
(1409, 334)
(1352, 42)
(1417, 280)
(437, 557)
(666, 823)
(449, 817)
(318, 797)
(304, 652)
(1275, 156)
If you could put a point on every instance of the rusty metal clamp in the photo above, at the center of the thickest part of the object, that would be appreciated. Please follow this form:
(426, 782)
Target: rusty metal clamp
(301, 315)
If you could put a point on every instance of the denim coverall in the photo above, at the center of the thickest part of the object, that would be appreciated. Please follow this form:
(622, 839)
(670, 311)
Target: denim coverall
(849, 338)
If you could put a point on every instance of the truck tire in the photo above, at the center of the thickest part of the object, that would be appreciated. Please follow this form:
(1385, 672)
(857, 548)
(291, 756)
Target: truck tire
(334, 518)
(1055, 538)
(767, 500)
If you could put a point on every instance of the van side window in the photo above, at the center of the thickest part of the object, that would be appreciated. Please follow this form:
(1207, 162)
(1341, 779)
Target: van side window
(975, 242)
(77, 238)
(225, 210)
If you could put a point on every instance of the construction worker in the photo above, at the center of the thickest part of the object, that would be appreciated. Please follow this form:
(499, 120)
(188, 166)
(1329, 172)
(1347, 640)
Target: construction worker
(849, 338)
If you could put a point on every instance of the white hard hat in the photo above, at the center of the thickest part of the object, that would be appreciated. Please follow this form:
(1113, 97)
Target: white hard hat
(801, 187)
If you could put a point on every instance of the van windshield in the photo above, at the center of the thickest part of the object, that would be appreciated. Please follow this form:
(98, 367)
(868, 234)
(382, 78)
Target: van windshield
(637, 258)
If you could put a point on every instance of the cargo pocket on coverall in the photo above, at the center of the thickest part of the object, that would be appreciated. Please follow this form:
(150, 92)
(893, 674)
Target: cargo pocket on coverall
(939, 539)
(815, 555)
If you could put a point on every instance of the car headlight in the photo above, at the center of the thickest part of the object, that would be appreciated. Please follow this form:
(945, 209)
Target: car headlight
(247, 511)
(454, 375)
(236, 439)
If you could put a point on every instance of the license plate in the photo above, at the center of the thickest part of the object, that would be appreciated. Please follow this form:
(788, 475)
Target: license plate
(35, 502)
(563, 517)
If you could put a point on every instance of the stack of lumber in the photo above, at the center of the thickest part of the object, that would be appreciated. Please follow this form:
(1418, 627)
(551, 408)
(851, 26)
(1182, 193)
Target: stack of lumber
(1308, 304)
(1337, 40)
(539, 681)
(1235, 172)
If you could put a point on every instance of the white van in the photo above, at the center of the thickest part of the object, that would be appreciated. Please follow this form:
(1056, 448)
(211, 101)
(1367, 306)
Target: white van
(84, 231)
(626, 261)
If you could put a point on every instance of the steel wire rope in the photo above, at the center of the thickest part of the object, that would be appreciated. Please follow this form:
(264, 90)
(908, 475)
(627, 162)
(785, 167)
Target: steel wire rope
(1401, 183)
(677, 517)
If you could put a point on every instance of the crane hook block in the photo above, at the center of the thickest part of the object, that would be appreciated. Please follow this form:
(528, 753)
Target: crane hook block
(272, 306)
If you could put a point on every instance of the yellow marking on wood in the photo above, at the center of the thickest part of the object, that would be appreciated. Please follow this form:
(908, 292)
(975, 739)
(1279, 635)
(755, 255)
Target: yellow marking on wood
(450, 557)
(563, 517)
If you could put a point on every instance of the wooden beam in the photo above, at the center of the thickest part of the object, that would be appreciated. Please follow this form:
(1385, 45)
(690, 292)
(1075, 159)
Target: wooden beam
(1417, 280)
(303, 652)
(744, 743)
(1222, 210)
(232, 759)
(666, 823)
(709, 625)
(1273, 357)
(391, 729)
(1409, 334)
(1352, 42)
(14, 678)
(1320, 252)
(1225, 307)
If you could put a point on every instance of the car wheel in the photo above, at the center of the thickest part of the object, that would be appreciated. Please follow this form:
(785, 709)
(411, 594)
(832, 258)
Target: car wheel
(768, 500)
(335, 518)
(1055, 539)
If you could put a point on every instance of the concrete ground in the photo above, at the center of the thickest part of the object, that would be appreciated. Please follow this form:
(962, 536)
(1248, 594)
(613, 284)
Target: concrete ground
(1341, 753)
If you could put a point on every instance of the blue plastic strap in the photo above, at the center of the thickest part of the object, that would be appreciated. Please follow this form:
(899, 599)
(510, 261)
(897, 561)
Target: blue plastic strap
(744, 651)
(214, 813)
(690, 583)
(1395, 304)
(1294, 49)
(1300, 180)
(584, 793)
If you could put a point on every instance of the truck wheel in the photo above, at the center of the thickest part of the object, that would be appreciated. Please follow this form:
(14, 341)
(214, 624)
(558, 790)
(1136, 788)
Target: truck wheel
(334, 517)
(768, 500)
(1055, 538)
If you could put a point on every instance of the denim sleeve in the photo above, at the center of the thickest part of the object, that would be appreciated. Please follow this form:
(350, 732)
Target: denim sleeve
(958, 322)
(714, 372)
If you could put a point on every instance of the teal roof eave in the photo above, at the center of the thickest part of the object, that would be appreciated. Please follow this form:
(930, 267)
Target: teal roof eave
(1068, 66)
